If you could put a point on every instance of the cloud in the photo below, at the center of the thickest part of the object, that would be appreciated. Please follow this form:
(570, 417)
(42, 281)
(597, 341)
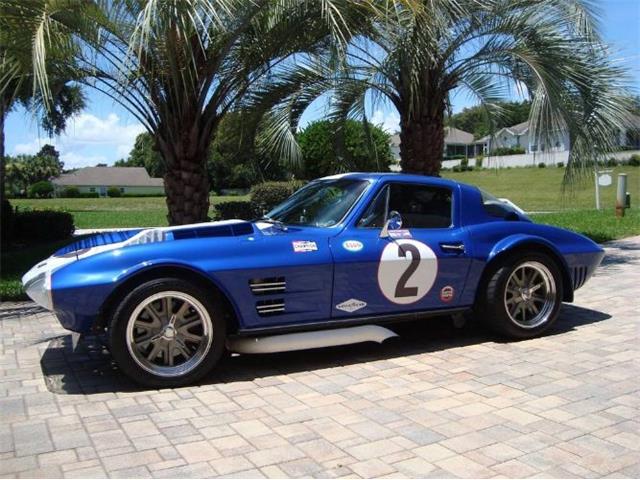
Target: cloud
(88, 140)
(389, 121)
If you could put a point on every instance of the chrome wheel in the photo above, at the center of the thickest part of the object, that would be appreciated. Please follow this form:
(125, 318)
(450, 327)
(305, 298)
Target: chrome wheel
(169, 333)
(530, 296)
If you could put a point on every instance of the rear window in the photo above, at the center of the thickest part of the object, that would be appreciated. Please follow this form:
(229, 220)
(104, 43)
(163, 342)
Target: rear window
(496, 207)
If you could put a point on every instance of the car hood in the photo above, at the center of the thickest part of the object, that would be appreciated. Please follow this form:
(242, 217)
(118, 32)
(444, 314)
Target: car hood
(112, 240)
(39, 277)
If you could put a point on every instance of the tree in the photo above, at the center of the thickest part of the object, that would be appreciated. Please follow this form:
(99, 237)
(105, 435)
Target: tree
(180, 66)
(25, 170)
(548, 48)
(63, 98)
(320, 155)
(476, 120)
(144, 154)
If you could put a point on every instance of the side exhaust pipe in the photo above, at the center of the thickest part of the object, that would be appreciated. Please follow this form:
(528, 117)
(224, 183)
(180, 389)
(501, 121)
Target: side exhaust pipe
(306, 340)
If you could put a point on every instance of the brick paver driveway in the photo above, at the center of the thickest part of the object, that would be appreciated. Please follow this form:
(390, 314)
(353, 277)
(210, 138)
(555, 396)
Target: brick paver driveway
(436, 402)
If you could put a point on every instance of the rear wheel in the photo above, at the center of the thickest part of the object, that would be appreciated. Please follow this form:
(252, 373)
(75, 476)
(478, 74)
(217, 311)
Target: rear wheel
(522, 296)
(166, 333)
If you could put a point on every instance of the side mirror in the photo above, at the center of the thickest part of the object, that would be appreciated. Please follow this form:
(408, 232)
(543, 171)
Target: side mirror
(394, 222)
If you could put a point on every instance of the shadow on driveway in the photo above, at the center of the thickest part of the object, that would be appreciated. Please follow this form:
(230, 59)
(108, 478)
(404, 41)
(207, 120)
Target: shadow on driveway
(90, 369)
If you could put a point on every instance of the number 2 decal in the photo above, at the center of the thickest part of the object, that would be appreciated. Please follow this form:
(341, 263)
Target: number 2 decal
(407, 271)
(401, 288)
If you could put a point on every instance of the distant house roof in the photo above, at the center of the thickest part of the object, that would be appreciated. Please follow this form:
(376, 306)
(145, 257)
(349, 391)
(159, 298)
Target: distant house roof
(453, 136)
(109, 176)
(518, 129)
(457, 137)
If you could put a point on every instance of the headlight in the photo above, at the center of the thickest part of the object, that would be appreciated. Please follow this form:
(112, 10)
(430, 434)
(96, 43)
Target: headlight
(39, 289)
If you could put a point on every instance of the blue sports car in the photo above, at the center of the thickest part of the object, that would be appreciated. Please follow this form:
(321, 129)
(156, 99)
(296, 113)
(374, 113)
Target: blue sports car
(328, 266)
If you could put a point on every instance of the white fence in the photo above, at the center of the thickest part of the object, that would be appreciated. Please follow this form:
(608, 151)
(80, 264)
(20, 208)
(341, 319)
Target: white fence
(531, 159)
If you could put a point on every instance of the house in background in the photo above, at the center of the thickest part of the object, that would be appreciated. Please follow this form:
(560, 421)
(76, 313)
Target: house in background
(520, 136)
(456, 143)
(130, 180)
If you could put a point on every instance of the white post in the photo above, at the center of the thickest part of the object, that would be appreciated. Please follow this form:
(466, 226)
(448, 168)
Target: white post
(621, 194)
(597, 191)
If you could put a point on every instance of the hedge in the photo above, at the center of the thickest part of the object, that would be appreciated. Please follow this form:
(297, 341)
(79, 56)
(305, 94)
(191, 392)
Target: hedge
(114, 192)
(42, 226)
(235, 209)
(267, 195)
(42, 189)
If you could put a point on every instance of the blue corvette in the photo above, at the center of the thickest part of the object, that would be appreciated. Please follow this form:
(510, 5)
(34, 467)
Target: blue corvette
(328, 266)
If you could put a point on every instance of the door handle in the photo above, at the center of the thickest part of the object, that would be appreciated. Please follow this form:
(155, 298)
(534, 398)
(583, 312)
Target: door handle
(452, 247)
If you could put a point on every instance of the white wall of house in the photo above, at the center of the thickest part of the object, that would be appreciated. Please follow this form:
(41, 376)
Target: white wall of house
(507, 139)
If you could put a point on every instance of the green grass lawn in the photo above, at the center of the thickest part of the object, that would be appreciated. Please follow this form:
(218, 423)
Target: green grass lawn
(111, 212)
(540, 189)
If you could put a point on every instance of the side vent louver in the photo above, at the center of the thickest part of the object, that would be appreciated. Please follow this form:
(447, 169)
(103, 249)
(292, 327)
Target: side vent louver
(579, 276)
(266, 286)
(270, 307)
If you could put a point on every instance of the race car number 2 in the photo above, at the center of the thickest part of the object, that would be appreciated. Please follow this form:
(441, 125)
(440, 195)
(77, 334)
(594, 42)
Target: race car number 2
(407, 271)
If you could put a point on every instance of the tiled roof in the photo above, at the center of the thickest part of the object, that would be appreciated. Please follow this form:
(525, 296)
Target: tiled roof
(106, 176)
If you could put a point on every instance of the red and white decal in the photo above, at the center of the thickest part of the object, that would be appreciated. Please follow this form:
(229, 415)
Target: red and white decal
(446, 294)
(301, 246)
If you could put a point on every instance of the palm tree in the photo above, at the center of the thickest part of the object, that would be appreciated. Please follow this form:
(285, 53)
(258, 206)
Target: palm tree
(179, 66)
(417, 58)
(64, 99)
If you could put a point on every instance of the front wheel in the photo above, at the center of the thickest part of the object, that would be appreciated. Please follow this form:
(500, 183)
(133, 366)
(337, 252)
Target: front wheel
(522, 296)
(167, 333)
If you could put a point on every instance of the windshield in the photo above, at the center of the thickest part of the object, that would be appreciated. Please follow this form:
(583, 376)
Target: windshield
(322, 203)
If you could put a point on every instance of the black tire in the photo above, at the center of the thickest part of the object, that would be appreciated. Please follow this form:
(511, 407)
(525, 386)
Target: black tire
(132, 360)
(492, 303)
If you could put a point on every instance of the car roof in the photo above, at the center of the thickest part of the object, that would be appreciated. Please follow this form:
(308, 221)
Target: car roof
(402, 177)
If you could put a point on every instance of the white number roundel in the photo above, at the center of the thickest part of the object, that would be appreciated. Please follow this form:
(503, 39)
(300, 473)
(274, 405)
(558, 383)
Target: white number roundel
(407, 271)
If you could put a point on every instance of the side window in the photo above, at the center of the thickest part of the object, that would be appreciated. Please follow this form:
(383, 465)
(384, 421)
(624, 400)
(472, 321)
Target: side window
(376, 213)
(420, 206)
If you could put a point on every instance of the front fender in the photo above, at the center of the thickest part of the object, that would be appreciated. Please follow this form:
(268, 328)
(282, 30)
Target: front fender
(521, 239)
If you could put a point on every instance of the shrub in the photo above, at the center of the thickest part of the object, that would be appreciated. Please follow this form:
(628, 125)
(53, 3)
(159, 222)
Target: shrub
(42, 226)
(479, 161)
(612, 162)
(42, 189)
(542, 165)
(560, 165)
(71, 192)
(508, 151)
(267, 195)
(634, 160)
(235, 209)
(6, 222)
(114, 192)
(88, 195)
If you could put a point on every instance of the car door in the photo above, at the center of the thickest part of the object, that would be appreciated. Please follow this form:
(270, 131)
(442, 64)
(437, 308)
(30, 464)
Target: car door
(421, 266)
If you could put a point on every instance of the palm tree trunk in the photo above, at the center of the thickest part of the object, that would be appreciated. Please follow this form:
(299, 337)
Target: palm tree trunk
(422, 142)
(4, 110)
(186, 182)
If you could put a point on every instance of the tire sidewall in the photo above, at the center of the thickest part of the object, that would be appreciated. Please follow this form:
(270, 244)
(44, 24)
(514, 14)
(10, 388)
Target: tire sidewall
(117, 334)
(494, 309)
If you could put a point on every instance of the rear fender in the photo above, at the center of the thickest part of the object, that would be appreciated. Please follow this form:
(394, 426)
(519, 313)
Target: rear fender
(532, 243)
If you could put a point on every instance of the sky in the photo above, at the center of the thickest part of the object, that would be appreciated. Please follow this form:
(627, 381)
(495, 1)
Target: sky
(105, 132)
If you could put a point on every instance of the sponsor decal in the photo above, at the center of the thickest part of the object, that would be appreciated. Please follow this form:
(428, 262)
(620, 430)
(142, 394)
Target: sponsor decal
(404, 233)
(301, 246)
(352, 245)
(407, 271)
(351, 305)
(446, 294)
